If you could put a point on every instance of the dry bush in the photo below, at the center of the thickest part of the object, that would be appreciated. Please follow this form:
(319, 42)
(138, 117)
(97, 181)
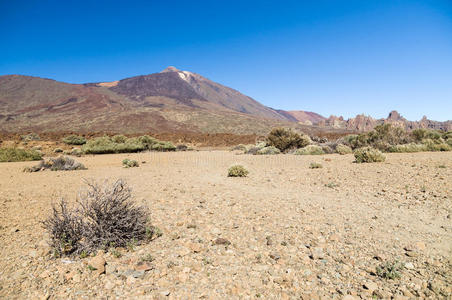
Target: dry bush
(368, 155)
(105, 216)
(16, 154)
(239, 147)
(286, 139)
(343, 149)
(310, 150)
(237, 171)
(62, 163)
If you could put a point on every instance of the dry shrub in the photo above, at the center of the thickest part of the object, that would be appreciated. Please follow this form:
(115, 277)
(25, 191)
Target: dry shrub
(239, 147)
(237, 171)
(286, 139)
(343, 149)
(105, 216)
(62, 163)
(409, 148)
(368, 155)
(315, 165)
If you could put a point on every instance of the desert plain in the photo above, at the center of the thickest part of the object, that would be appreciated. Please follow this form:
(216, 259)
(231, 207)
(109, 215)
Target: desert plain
(284, 232)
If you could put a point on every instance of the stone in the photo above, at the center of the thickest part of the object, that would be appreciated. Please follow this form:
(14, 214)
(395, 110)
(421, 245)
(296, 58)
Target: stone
(274, 256)
(317, 253)
(409, 266)
(98, 263)
(143, 266)
(371, 286)
(195, 247)
(348, 297)
(222, 241)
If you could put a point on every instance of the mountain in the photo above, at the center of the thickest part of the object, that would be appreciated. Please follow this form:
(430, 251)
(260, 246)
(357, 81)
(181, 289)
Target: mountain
(171, 100)
(306, 117)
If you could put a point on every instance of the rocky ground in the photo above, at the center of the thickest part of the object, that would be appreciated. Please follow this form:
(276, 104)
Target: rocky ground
(286, 231)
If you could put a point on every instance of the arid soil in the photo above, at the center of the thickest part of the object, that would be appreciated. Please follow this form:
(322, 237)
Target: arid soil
(285, 232)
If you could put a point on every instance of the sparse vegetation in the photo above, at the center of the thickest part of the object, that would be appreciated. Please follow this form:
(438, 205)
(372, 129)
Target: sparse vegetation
(310, 150)
(390, 270)
(62, 163)
(129, 163)
(286, 139)
(410, 148)
(343, 149)
(105, 216)
(74, 140)
(368, 155)
(17, 154)
(237, 171)
(30, 137)
(315, 165)
(163, 146)
(240, 147)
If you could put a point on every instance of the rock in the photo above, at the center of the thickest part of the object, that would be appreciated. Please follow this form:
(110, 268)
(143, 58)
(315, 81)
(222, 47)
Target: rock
(143, 266)
(98, 263)
(409, 266)
(33, 253)
(274, 256)
(317, 253)
(110, 269)
(165, 293)
(222, 241)
(371, 286)
(348, 297)
(109, 285)
(195, 247)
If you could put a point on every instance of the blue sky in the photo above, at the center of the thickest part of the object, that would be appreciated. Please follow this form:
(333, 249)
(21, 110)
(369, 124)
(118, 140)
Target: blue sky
(332, 57)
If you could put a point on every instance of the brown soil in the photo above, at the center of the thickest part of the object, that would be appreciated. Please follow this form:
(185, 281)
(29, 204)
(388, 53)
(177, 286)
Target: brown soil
(294, 232)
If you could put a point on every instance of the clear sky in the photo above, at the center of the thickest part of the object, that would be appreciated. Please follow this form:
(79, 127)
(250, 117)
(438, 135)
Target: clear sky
(333, 57)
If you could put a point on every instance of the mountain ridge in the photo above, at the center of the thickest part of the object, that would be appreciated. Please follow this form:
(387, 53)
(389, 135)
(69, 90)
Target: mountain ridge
(170, 100)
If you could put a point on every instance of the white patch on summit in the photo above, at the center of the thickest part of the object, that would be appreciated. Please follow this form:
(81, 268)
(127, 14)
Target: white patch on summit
(185, 75)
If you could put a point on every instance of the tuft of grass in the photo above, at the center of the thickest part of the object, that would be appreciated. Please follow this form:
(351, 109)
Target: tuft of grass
(237, 171)
(332, 185)
(390, 270)
(30, 137)
(310, 150)
(16, 154)
(315, 165)
(368, 155)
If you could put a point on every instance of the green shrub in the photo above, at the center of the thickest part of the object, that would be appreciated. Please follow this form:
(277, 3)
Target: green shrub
(62, 163)
(368, 155)
(74, 140)
(423, 133)
(119, 138)
(343, 149)
(410, 148)
(310, 150)
(286, 139)
(315, 165)
(163, 146)
(76, 152)
(16, 154)
(129, 163)
(270, 150)
(237, 171)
